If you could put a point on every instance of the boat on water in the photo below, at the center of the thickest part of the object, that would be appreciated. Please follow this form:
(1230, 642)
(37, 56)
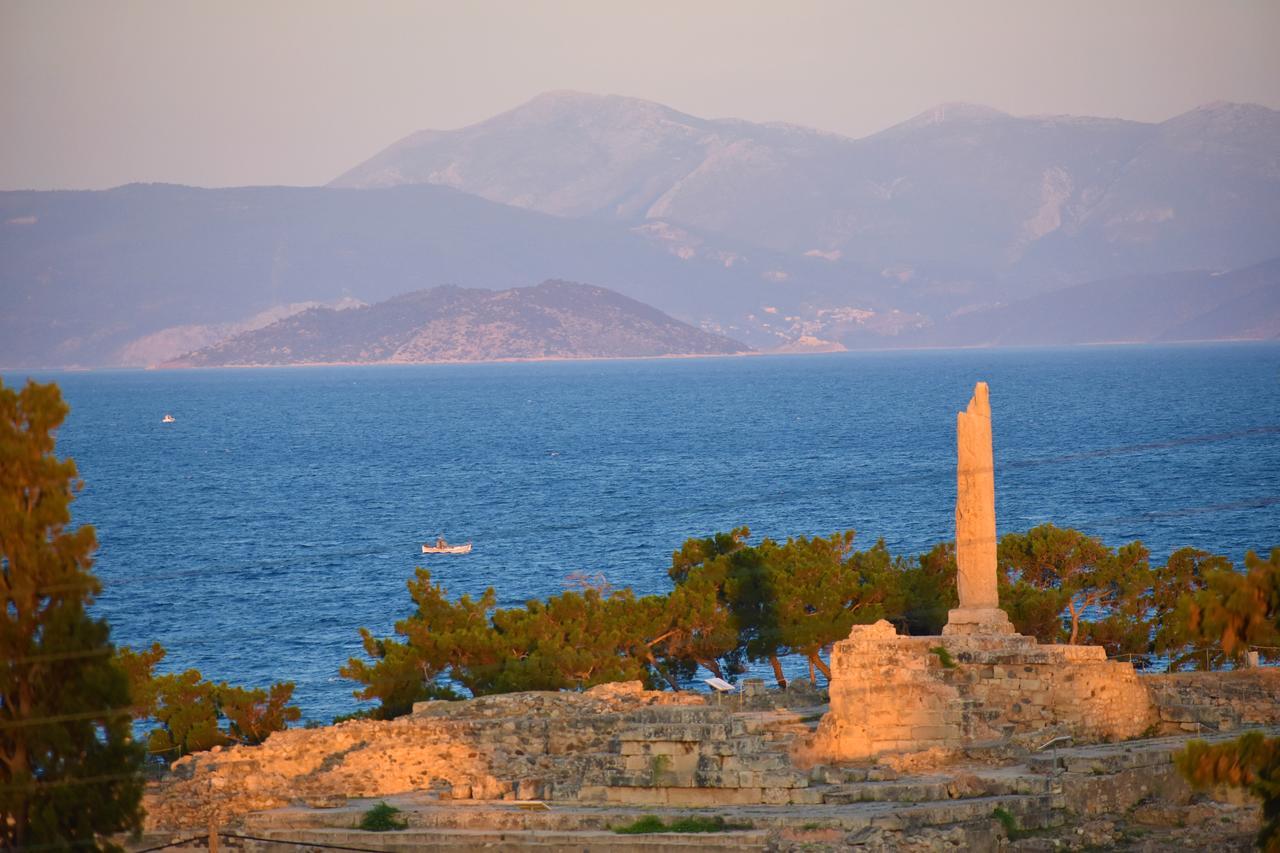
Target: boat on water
(168, 419)
(443, 547)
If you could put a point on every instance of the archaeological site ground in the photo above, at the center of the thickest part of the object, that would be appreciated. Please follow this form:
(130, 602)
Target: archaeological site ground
(977, 739)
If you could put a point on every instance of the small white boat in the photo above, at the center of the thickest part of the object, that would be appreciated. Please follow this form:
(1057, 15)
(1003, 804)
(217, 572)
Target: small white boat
(168, 419)
(443, 547)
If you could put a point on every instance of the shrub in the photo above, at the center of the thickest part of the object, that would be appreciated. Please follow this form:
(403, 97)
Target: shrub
(382, 818)
(652, 823)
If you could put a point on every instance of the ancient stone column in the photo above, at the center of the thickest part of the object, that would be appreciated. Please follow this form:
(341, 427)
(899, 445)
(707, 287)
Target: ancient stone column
(979, 611)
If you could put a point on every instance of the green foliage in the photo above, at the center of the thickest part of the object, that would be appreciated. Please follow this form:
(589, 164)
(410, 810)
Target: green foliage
(944, 657)
(659, 767)
(926, 592)
(253, 714)
(1251, 762)
(69, 769)
(1008, 821)
(649, 824)
(828, 588)
(189, 711)
(382, 818)
(734, 601)
(1235, 611)
(1174, 586)
(574, 640)
(1076, 570)
(827, 592)
(441, 637)
(362, 714)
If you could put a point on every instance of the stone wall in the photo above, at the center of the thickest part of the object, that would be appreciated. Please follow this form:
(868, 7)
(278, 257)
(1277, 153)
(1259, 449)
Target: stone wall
(616, 743)
(1215, 701)
(913, 694)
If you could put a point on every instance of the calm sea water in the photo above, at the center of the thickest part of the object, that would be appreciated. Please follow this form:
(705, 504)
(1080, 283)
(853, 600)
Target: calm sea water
(285, 508)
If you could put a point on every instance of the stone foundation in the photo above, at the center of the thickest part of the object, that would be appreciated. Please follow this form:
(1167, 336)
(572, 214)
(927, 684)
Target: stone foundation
(964, 621)
(894, 694)
(1198, 702)
(615, 744)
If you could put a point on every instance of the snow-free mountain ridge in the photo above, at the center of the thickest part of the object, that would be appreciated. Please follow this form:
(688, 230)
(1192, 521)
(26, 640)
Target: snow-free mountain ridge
(779, 236)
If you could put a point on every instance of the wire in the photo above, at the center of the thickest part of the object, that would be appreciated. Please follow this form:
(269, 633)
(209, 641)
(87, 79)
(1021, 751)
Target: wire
(233, 837)
(177, 843)
(68, 718)
(37, 784)
(927, 476)
(54, 656)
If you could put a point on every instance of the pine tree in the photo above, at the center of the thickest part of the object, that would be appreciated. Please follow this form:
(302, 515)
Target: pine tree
(69, 770)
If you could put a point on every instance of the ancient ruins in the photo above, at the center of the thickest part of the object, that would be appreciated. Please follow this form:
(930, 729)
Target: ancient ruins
(979, 611)
(968, 740)
(979, 681)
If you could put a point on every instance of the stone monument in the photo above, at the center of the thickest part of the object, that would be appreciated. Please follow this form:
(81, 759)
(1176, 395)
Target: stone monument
(979, 611)
(980, 682)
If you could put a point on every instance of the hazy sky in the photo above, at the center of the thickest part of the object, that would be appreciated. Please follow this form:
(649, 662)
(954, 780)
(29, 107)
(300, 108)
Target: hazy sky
(96, 94)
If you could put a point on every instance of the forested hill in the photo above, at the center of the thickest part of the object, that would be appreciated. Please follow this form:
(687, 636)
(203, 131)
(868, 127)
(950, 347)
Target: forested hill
(556, 319)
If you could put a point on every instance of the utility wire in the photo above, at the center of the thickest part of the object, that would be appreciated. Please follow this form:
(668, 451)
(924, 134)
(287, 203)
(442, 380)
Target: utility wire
(38, 784)
(57, 656)
(933, 474)
(68, 718)
(234, 837)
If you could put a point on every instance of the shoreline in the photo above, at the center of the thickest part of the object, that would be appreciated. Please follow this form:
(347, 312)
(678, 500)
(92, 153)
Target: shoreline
(13, 369)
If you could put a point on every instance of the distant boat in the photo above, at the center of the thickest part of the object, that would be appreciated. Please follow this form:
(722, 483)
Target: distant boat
(443, 547)
(168, 419)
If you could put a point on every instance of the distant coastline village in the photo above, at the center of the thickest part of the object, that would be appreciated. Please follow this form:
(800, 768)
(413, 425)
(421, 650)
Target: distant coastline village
(974, 738)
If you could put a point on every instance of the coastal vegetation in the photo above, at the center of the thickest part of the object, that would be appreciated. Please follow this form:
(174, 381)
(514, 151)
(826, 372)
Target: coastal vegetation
(649, 824)
(1239, 609)
(69, 766)
(187, 713)
(382, 818)
(1251, 762)
(734, 602)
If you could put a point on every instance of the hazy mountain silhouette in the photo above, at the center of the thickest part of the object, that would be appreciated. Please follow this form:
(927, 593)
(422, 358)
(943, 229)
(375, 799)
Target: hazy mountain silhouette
(556, 319)
(958, 192)
(774, 235)
(1183, 306)
(144, 273)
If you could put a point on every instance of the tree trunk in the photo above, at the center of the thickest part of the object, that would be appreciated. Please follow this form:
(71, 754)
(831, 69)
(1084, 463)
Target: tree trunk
(653, 662)
(1075, 621)
(20, 766)
(816, 660)
(712, 666)
(777, 671)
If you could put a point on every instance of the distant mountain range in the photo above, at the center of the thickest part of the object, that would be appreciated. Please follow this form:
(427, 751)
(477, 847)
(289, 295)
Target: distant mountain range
(945, 229)
(1158, 308)
(959, 192)
(555, 319)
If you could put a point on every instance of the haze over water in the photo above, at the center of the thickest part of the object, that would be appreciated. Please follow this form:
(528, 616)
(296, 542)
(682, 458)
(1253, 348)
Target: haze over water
(285, 508)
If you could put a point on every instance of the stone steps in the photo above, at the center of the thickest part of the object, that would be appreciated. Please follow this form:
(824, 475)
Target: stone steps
(1127, 755)
(1032, 811)
(906, 791)
(501, 841)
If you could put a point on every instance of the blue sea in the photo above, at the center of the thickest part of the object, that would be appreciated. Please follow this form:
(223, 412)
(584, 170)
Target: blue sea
(285, 509)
